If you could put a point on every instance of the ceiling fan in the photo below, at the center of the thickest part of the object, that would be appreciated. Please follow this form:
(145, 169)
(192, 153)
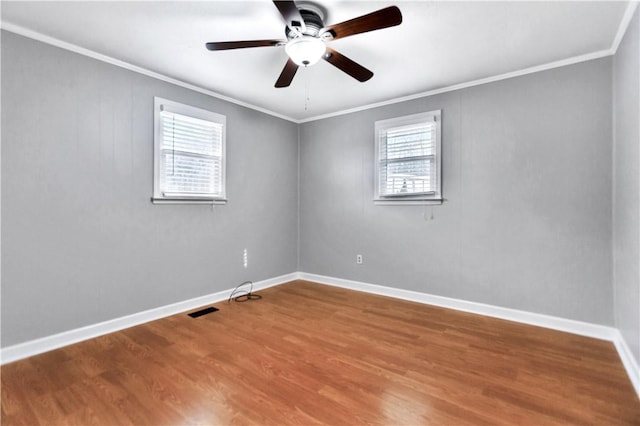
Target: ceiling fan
(307, 38)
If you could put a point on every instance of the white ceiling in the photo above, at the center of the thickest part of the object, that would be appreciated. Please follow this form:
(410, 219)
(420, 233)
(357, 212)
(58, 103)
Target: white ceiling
(438, 44)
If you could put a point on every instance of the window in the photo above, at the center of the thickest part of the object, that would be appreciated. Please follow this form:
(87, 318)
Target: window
(408, 160)
(189, 154)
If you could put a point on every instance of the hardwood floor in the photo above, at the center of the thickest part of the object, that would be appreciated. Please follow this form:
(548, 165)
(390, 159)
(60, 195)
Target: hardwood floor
(312, 354)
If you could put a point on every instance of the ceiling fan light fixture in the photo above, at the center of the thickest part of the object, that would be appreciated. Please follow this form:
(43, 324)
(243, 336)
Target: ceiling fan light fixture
(305, 50)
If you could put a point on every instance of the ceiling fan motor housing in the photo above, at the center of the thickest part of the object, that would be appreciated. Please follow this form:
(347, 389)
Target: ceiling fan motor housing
(312, 23)
(307, 37)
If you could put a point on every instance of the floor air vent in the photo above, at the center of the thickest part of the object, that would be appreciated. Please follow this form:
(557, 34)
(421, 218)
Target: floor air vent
(202, 312)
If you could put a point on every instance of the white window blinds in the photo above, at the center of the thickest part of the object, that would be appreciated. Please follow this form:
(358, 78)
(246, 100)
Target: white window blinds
(190, 145)
(191, 156)
(407, 157)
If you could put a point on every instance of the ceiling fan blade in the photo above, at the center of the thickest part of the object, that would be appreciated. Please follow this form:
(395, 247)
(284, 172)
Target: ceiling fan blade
(352, 68)
(383, 18)
(227, 45)
(290, 14)
(286, 76)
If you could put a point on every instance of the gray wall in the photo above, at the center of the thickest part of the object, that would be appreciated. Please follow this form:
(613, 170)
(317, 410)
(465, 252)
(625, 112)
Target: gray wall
(626, 187)
(81, 241)
(527, 178)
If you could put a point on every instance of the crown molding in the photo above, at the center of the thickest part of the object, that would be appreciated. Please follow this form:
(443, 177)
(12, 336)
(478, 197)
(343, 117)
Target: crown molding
(622, 28)
(624, 24)
(25, 32)
(531, 70)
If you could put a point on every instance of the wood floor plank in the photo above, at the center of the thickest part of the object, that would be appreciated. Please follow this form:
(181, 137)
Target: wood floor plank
(312, 354)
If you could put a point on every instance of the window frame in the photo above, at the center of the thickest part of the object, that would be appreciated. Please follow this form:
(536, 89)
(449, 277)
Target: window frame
(159, 197)
(382, 126)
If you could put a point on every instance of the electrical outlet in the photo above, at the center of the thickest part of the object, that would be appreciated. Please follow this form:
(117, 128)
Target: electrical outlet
(359, 259)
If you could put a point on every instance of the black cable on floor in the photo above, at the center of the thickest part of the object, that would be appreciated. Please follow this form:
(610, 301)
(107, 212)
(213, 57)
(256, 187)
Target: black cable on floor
(245, 295)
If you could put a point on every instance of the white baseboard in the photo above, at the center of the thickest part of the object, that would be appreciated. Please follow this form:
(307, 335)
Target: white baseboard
(540, 320)
(556, 323)
(629, 362)
(45, 344)
(37, 346)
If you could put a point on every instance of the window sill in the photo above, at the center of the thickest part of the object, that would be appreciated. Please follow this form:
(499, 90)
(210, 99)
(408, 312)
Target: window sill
(407, 202)
(187, 201)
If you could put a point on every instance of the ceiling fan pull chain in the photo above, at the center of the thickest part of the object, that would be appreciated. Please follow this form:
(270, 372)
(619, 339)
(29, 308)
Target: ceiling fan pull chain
(306, 88)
